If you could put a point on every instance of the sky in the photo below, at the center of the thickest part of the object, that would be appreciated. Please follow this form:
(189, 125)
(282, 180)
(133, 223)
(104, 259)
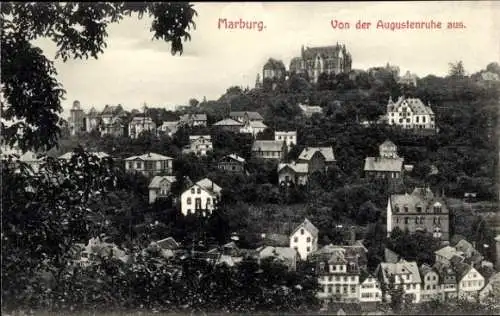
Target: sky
(135, 70)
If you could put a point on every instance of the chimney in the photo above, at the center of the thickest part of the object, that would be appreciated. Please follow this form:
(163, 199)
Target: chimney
(353, 235)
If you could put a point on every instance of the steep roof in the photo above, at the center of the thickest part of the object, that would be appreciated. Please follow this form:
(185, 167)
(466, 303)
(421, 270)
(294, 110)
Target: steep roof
(309, 152)
(411, 201)
(209, 185)
(416, 105)
(383, 164)
(252, 115)
(296, 167)
(387, 143)
(70, 154)
(267, 145)
(462, 269)
(280, 252)
(446, 252)
(168, 243)
(196, 137)
(228, 122)
(157, 180)
(234, 157)
(307, 225)
(399, 268)
(257, 124)
(150, 157)
(331, 51)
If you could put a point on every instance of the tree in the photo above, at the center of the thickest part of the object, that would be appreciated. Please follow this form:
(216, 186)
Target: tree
(29, 85)
(457, 69)
(193, 103)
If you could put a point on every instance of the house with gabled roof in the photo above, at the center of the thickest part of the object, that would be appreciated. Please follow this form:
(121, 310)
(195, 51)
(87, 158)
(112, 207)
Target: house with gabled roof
(269, 149)
(469, 281)
(193, 120)
(404, 274)
(410, 113)
(229, 124)
(202, 196)
(387, 165)
(419, 211)
(369, 288)
(317, 158)
(200, 145)
(447, 280)
(140, 124)
(253, 128)
(296, 173)
(431, 284)
(304, 239)
(232, 163)
(150, 164)
(244, 116)
(160, 187)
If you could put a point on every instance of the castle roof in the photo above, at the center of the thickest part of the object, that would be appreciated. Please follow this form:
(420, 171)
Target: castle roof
(324, 52)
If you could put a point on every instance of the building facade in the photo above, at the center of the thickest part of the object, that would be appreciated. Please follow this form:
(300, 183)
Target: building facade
(200, 145)
(289, 137)
(387, 165)
(403, 274)
(410, 113)
(296, 173)
(200, 197)
(314, 61)
(420, 210)
(317, 158)
(232, 163)
(150, 164)
(304, 239)
(369, 289)
(269, 149)
(140, 124)
(160, 187)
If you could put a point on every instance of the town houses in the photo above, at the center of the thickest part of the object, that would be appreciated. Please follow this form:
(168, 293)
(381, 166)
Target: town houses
(325, 207)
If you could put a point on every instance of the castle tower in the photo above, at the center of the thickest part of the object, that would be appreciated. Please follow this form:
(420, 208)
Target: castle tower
(77, 118)
(258, 84)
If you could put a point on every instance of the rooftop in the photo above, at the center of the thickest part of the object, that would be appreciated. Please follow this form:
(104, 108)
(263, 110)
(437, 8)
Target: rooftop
(309, 152)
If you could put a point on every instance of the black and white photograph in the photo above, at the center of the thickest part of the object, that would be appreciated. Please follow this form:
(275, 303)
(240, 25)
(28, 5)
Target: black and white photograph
(250, 158)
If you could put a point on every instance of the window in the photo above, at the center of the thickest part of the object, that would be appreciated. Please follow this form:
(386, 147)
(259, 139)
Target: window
(437, 208)
(434, 286)
(400, 120)
(308, 249)
(330, 287)
(344, 288)
(330, 278)
(414, 286)
(427, 287)
(423, 119)
(334, 268)
(406, 209)
(295, 239)
(308, 239)
(198, 190)
(416, 220)
(419, 209)
(302, 231)
(416, 119)
(192, 190)
(188, 201)
(397, 220)
(209, 200)
(396, 209)
(345, 279)
(197, 203)
(406, 220)
(337, 278)
(337, 288)
(421, 220)
(407, 120)
(130, 165)
(138, 165)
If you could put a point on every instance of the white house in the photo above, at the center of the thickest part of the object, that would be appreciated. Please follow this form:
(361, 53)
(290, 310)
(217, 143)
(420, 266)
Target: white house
(469, 281)
(304, 239)
(168, 128)
(289, 137)
(160, 187)
(410, 113)
(203, 196)
(369, 289)
(405, 274)
(199, 144)
(150, 164)
(140, 124)
(253, 127)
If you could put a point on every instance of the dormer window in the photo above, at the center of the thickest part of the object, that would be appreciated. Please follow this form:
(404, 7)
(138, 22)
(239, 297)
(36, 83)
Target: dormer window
(437, 208)
(419, 209)
(405, 208)
(302, 231)
(396, 209)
